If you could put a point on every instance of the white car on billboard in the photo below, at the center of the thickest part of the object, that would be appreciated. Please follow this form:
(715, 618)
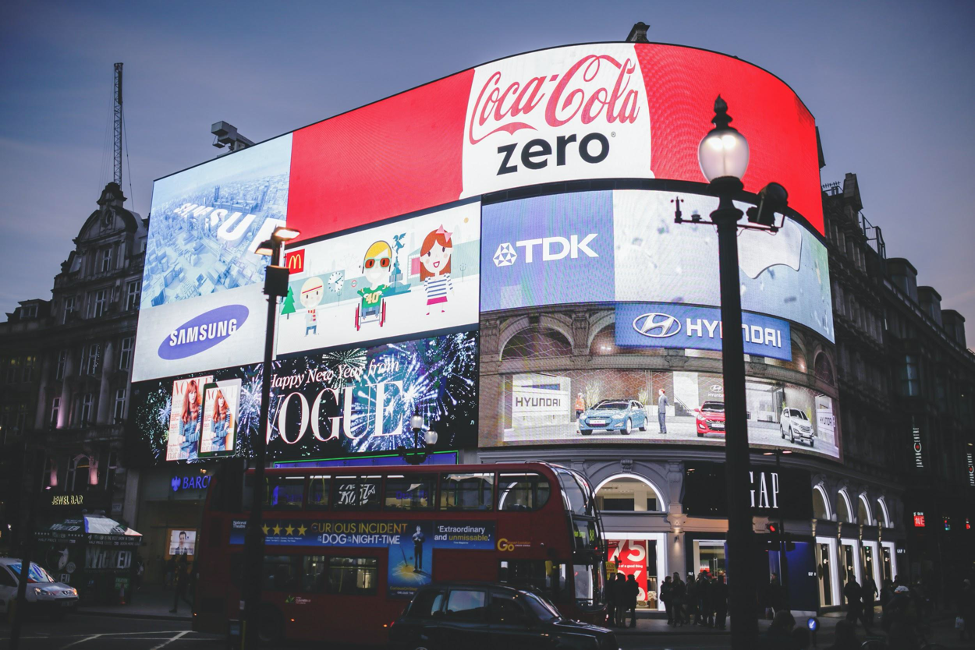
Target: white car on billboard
(795, 425)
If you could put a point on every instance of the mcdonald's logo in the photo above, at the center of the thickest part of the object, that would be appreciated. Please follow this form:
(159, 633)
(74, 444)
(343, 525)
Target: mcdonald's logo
(295, 261)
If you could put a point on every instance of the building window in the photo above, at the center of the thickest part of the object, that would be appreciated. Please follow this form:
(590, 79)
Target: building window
(91, 359)
(30, 311)
(96, 305)
(909, 376)
(78, 470)
(132, 295)
(628, 494)
(62, 362)
(120, 405)
(110, 469)
(87, 406)
(55, 412)
(13, 370)
(105, 260)
(28, 374)
(69, 309)
(21, 423)
(125, 353)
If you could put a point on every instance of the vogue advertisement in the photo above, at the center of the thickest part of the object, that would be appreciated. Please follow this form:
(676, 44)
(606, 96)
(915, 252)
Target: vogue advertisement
(186, 418)
(220, 413)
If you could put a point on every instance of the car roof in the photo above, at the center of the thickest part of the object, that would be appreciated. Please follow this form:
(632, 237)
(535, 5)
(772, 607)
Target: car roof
(452, 584)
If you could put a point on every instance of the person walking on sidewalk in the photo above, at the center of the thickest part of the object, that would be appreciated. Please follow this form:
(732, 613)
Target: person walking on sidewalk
(719, 594)
(678, 599)
(633, 590)
(666, 598)
(181, 583)
(622, 599)
(611, 596)
(869, 592)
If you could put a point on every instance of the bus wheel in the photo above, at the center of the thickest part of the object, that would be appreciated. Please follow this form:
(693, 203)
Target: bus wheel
(271, 626)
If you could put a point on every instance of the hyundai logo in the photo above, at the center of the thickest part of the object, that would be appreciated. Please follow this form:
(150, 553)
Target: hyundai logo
(656, 326)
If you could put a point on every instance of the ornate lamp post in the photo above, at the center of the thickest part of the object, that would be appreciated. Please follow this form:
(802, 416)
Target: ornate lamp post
(418, 454)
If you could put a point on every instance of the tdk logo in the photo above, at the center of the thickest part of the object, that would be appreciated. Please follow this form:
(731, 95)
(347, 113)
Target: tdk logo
(550, 249)
(656, 326)
(203, 332)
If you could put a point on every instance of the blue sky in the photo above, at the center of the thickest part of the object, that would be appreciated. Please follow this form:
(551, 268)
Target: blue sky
(891, 85)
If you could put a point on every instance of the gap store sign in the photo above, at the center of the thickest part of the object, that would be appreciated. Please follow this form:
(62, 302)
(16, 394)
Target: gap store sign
(661, 325)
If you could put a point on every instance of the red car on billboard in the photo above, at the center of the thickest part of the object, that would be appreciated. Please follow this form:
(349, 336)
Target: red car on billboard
(710, 418)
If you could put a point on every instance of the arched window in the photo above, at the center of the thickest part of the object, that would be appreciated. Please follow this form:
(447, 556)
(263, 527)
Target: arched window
(823, 369)
(536, 342)
(78, 470)
(843, 507)
(629, 493)
(864, 511)
(881, 512)
(821, 510)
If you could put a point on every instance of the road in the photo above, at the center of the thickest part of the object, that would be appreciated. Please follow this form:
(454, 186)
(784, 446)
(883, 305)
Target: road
(89, 632)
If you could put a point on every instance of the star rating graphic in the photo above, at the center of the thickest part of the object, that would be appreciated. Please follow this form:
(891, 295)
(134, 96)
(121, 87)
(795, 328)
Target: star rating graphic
(302, 530)
(505, 255)
(288, 528)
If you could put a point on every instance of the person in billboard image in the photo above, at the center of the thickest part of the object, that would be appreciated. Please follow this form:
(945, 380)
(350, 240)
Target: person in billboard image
(376, 270)
(191, 421)
(418, 539)
(311, 297)
(662, 407)
(436, 268)
(223, 422)
(580, 405)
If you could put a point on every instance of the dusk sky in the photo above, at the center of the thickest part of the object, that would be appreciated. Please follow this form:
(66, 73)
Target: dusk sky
(891, 85)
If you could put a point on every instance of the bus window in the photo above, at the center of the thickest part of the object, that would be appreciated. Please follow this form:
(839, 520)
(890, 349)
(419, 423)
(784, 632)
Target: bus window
(575, 493)
(548, 577)
(356, 493)
(414, 492)
(315, 574)
(284, 492)
(467, 491)
(588, 583)
(523, 491)
(353, 575)
(319, 491)
(585, 534)
(281, 573)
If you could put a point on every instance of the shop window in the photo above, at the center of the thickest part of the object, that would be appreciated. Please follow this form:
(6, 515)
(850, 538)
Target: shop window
(820, 505)
(284, 492)
(537, 343)
(843, 507)
(319, 491)
(78, 470)
(414, 492)
(523, 491)
(628, 494)
(356, 493)
(354, 576)
(467, 491)
(864, 514)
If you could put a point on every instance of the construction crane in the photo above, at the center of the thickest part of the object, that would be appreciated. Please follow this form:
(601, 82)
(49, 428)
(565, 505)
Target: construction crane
(117, 170)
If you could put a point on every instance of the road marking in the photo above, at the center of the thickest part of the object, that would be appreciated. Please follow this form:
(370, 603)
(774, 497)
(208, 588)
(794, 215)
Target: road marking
(178, 636)
(87, 638)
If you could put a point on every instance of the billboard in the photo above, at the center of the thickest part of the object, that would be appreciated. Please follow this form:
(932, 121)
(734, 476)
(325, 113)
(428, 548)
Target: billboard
(623, 246)
(331, 404)
(414, 275)
(180, 541)
(208, 220)
(602, 110)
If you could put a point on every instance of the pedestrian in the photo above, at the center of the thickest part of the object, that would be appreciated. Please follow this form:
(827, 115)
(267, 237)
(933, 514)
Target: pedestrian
(845, 638)
(610, 595)
(691, 602)
(139, 571)
(965, 610)
(901, 607)
(702, 612)
(885, 593)
(666, 598)
(678, 599)
(622, 599)
(778, 635)
(775, 596)
(633, 591)
(720, 592)
(580, 405)
(662, 408)
(853, 594)
(169, 568)
(181, 583)
(869, 592)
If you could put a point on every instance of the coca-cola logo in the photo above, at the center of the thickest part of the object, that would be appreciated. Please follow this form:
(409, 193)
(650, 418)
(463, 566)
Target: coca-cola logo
(584, 92)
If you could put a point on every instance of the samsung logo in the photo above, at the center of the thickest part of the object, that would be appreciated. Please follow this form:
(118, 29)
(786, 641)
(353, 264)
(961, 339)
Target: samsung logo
(203, 332)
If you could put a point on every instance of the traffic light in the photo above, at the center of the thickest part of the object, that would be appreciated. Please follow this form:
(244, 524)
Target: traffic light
(773, 537)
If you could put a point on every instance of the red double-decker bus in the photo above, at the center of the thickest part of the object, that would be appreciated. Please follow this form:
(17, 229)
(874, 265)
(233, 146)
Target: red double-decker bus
(345, 549)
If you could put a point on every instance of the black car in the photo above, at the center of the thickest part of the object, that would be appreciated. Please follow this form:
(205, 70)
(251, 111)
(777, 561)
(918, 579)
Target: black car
(482, 616)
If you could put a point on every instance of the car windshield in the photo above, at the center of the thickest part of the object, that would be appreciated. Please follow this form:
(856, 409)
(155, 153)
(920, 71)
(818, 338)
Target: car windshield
(612, 406)
(714, 407)
(37, 574)
(543, 609)
(794, 413)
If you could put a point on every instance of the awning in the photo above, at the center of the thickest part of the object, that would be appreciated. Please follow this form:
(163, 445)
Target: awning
(90, 529)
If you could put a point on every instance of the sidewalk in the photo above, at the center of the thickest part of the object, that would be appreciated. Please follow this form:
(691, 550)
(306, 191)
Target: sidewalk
(151, 601)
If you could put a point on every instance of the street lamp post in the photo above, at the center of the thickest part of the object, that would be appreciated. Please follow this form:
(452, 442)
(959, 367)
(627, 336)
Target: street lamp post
(276, 286)
(417, 455)
(723, 157)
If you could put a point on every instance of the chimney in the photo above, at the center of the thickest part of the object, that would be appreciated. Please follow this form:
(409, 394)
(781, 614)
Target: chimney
(639, 33)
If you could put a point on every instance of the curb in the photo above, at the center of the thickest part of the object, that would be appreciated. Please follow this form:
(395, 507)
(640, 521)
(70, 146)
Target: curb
(157, 617)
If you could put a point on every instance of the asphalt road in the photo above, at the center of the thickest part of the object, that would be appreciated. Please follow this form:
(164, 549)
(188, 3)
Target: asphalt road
(90, 632)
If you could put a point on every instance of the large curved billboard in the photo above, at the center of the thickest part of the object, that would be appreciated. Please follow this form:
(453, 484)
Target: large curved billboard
(526, 205)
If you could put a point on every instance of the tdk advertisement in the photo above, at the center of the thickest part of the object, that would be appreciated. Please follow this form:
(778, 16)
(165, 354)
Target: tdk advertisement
(662, 325)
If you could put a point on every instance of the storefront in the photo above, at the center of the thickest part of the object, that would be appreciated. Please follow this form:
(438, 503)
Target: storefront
(171, 506)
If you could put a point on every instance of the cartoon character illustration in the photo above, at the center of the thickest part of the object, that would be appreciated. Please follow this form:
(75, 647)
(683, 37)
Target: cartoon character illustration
(191, 420)
(311, 297)
(376, 270)
(436, 268)
(223, 421)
